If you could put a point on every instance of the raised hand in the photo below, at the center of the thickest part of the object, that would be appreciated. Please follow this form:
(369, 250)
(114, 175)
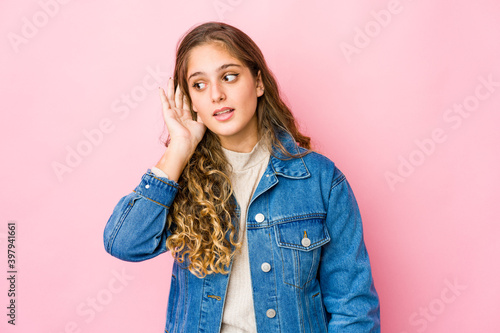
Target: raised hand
(183, 130)
(185, 133)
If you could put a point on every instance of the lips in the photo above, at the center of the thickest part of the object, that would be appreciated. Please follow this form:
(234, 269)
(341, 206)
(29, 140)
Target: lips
(223, 114)
(222, 111)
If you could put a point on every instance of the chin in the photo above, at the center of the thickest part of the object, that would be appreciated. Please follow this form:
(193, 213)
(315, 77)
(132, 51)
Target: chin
(225, 134)
(223, 131)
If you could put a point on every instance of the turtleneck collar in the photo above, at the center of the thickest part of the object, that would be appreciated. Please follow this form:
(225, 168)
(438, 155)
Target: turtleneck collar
(243, 161)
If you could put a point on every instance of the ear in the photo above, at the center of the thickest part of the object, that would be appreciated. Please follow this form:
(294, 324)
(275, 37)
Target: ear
(259, 85)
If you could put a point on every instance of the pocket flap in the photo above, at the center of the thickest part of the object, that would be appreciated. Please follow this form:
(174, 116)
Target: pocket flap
(304, 235)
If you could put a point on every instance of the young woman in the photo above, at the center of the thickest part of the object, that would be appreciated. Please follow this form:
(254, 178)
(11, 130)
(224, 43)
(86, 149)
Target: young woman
(266, 234)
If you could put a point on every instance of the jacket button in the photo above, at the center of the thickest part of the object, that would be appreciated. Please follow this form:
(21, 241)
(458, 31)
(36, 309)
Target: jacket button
(259, 218)
(147, 186)
(306, 242)
(266, 267)
(270, 313)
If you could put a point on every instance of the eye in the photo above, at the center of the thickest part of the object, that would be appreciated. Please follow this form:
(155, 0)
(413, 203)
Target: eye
(199, 85)
(230, 77)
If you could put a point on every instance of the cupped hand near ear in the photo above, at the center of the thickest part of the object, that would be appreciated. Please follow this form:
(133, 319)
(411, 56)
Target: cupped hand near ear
(182, 129)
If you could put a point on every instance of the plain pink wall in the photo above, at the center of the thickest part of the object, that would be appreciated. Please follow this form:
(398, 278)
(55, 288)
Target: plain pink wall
(378, 85)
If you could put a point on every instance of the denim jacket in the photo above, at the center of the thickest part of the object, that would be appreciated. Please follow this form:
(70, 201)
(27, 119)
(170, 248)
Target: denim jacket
(309, 266)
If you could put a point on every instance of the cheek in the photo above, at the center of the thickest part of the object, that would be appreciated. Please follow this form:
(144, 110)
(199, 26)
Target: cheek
(202, 110)
(250, 93)
(195, 104)
(250, 97)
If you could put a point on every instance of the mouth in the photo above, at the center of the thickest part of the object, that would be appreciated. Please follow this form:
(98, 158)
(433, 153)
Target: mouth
(224, 114)
(223, 111)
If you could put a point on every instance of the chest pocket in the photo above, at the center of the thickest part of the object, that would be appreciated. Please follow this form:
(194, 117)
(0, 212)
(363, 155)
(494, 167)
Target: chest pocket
(299, 244)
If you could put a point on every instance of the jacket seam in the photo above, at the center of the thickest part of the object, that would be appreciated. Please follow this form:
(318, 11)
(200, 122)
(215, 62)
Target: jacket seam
(308, 310)
(274, 159)
(185, 298)
(299, 218)
(151, 174)
(311, 275)
(145, 197)
(275, 282)
(338, 180)
(298, 247)
(301, 310)
(118, 226)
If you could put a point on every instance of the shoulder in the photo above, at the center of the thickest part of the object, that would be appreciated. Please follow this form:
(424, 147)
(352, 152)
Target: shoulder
(319, 166)
(322, 166)
(313, 157)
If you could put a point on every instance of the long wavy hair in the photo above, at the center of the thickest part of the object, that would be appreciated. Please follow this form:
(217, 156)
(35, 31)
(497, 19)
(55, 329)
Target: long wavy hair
(201, 217)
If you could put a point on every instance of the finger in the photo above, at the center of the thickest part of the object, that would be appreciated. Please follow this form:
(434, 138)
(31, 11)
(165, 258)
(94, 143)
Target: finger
(185, 104)
(185, 112)
(170, 92)
(163, 97)
(168, 112)
(178, 97)
(164, 104)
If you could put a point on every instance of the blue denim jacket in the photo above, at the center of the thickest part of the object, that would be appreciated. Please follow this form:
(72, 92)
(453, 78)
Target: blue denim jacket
(309, 266)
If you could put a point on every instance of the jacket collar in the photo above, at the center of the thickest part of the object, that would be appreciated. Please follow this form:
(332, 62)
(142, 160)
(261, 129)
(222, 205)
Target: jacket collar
(285, 166)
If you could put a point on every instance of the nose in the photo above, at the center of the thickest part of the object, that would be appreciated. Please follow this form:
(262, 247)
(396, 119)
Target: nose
(217, 93)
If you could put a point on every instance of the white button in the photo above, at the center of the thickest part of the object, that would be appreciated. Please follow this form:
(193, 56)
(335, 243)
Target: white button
(306, 242)
(266, 267)
(270, 313)
(259, 217)
(147, 186)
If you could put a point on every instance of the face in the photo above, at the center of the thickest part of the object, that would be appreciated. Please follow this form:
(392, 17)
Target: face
(224, 95)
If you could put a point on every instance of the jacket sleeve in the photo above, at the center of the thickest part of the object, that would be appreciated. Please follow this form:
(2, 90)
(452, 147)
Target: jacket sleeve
(137, 230)
(345, 276)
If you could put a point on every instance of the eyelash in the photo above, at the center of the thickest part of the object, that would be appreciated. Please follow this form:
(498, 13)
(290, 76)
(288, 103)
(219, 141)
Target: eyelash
(195, 85)
(235, 75)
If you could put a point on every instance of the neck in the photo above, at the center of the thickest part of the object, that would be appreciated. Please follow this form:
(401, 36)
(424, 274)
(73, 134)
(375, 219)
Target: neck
(240, 145)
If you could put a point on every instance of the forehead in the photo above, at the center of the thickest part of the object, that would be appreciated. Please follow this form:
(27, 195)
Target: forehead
(208, 58)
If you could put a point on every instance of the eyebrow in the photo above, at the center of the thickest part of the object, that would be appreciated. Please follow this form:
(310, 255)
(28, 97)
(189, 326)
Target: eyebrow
(219, 69)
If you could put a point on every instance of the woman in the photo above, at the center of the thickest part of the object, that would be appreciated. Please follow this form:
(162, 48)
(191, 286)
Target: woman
(266, 234)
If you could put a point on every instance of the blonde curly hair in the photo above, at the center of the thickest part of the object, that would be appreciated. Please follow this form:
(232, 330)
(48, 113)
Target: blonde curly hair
(202, 214)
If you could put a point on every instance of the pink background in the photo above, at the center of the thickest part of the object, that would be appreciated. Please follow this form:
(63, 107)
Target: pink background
(384, 107)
